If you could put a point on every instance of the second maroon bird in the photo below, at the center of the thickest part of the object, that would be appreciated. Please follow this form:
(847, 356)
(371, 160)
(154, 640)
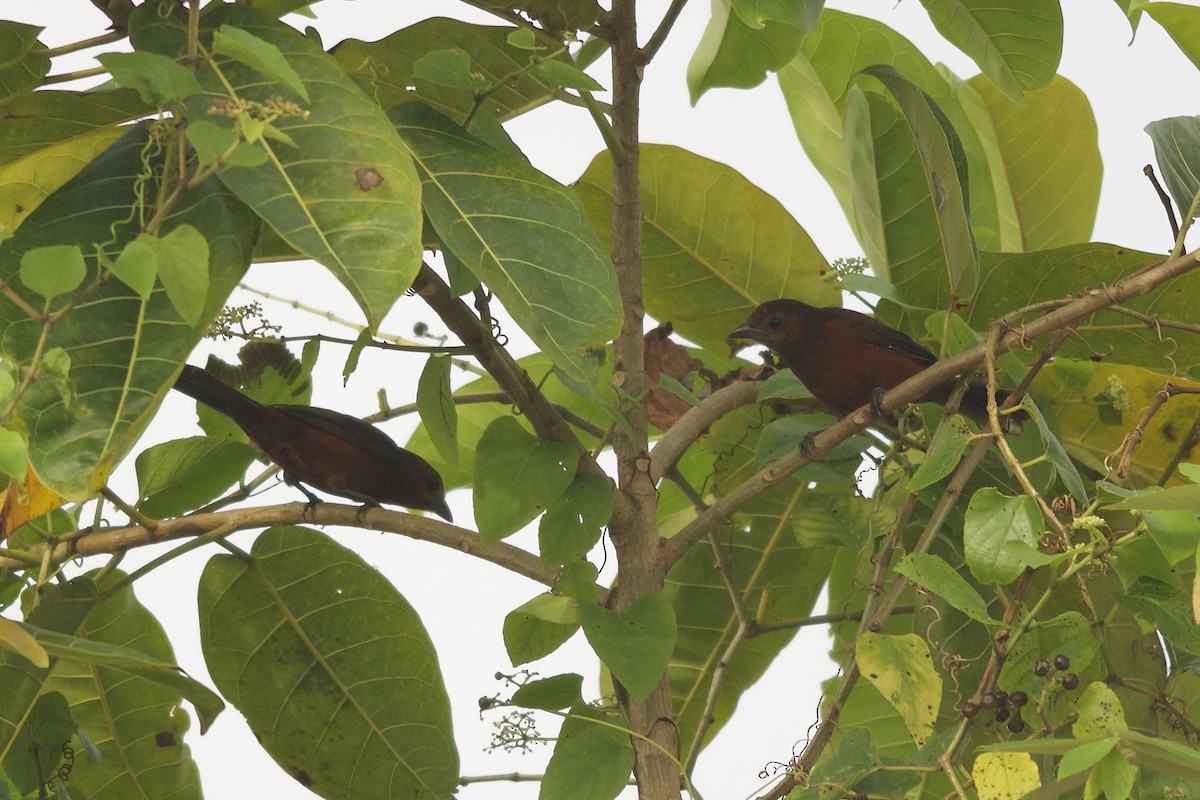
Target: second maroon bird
(324, 449)
(844, 357)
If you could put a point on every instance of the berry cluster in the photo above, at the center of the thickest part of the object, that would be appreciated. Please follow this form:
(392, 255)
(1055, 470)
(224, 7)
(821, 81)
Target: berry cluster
(1006, 708)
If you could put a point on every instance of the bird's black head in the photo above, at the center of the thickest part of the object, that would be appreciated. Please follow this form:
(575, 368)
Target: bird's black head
(774, 322)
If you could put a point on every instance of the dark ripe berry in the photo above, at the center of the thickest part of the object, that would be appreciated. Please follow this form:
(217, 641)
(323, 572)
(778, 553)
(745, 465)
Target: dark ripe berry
(988, 700)
(969, 710)
(420, 329)
(1062, 663)
(1041, 668)
(1001, 697)
(1016, 724)
(1001, 713)
(1018, 699)
(1070, 681)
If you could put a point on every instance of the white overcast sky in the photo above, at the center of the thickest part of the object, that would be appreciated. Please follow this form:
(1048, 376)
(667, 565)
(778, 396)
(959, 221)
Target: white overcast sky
(462, 601)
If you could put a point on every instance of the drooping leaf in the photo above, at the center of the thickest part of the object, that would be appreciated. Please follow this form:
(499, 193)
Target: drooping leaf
(1017, 43)
(261, 55)
(1005, 776)
(1000, 535)
(736, 54)
(331, 667)
(592, 758)
(52, 270)
(550, 694)
(907, 222)
(38, 120)
(937, 576)
(518, 231)
(573, 523)
(435, 404)
(714, 246)
(539, 627)
(23, 59)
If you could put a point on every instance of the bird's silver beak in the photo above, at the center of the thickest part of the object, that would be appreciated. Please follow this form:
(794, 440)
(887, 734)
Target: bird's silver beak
(748, 332)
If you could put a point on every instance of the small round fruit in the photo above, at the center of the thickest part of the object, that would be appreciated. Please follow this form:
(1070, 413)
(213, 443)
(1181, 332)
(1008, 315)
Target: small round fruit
(969, 710)
(988, 700)
(1070, 681)
(1018, 699)
(1001, 713)
(1016, 724)
(1041, 668)
(1062, 663)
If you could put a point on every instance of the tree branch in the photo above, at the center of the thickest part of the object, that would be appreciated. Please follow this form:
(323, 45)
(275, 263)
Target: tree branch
(1069, 314)
(117, 540)
(695, 421)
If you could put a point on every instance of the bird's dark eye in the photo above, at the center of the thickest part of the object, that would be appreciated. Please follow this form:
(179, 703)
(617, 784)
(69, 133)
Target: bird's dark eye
(774, 323)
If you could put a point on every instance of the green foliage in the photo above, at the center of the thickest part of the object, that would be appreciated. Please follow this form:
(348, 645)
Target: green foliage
(1027, 619)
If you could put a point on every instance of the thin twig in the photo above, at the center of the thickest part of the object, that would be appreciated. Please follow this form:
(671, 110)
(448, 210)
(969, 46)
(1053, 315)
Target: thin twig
(659, 37)
(1165, 199)
(1134, 437)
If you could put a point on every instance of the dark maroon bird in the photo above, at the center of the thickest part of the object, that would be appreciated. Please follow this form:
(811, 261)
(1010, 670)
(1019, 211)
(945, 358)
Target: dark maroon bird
(847, 359)
(333, 452)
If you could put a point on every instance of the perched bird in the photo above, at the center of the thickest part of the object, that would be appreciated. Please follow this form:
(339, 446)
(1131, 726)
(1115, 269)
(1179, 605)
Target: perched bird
(333, 452)
(847, 359)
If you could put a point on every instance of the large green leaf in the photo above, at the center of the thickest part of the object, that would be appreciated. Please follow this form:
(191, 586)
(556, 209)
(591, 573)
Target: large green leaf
(714, 245)
(26, 181)
(343, 191)
(123, 349)
(385, 68)
(521, 233)
(1017, 43)
(23, 59)
(737, 54)
(36, 120)
(1049, 161)
(1180, 21)
(816, 87)
(331, 667)
(116, 670)
(1177, 151)
(910, 186)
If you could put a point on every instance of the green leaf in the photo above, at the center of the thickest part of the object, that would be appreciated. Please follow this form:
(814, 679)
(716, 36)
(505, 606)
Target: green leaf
(1085, 756)
(435, 404)
(14, 637)
(304, 633)
(521, 233)
(736, 54)
(258, 54)
(1046, 167)
(635, 644)
(944, 453)
(14, 455)
(158, 80)
(184, 474)
(1180, 21)
(592, 758)
(1165, 608)
(1177, 151)
(937, 576)
(346, 194)
(72, 447)
(816, 86)
(54, 270)
(45, 733)
(943, 199)
(563, 74)
(1017, 43)
(901, 669)
(1063, 464)
(550, 694)
(182, 257)
(386, 68)
(36, 121)
(714, 245)
(539, 627)
(1162, 755)
(23, 59)
(450, 67)
(573, 523)
(803, 14)
(137, 267)
(992, 522)
(523, 39)
(517, 476)
(1113, 777)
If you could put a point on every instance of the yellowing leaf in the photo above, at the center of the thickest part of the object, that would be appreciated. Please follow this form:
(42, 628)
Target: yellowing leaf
(1004, 776)
(901, 669)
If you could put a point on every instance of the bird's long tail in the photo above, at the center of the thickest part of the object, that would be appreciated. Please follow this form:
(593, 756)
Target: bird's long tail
(202, 386)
